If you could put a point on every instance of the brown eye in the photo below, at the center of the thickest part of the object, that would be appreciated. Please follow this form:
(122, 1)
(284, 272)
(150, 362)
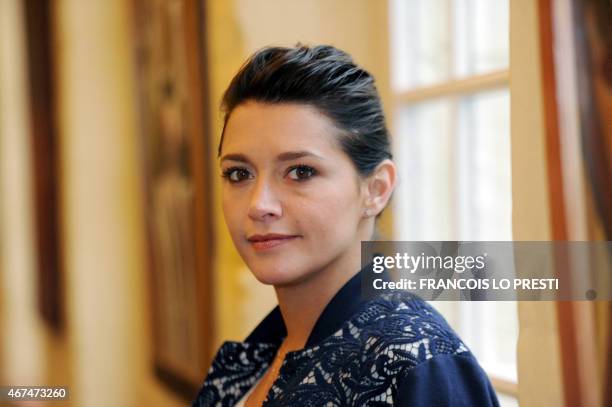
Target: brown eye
(236, 174)
(301, 172)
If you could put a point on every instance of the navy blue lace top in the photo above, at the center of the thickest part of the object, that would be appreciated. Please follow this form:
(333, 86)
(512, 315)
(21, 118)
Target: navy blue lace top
(392, 350)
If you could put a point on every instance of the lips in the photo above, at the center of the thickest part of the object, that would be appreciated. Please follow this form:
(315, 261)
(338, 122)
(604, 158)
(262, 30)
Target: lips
(268, 241)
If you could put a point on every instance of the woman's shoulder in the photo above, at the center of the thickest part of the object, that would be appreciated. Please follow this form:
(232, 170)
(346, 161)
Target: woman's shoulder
(430, 363)
(403, 328)
(405, 351)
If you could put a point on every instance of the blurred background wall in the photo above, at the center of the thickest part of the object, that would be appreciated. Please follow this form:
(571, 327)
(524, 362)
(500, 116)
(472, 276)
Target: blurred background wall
(103, 352)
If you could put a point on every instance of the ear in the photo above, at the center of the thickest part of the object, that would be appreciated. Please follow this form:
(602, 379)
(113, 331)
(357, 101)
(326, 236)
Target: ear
(378, 188)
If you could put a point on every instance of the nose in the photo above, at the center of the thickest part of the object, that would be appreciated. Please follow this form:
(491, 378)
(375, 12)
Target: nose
(264, 204)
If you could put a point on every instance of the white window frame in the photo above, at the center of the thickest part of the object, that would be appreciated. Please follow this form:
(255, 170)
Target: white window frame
(456, 88)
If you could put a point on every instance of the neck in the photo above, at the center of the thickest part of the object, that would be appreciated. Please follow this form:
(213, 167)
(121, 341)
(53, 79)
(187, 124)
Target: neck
(301, 304)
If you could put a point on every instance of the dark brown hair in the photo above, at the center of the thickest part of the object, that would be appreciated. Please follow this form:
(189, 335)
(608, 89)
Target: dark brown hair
(323, 77)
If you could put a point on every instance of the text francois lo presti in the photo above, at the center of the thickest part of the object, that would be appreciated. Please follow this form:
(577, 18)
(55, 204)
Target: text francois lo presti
(458, 264)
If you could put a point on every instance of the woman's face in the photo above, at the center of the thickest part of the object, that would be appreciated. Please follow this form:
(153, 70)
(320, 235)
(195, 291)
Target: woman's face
(292, 199)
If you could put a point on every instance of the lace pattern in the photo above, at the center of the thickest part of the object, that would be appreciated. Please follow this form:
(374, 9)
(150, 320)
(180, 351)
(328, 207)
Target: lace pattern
(360, 364)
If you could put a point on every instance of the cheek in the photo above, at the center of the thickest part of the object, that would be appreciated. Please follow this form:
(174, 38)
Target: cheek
(331, 214)
(232, 212)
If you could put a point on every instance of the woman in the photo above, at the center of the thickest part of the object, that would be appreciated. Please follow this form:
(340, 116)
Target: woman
(307, 168)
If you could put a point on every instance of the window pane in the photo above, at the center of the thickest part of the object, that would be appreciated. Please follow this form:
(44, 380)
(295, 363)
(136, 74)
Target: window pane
(507, 401)
(424, 151)
(434, 41)
(420, 42)
(454, 169)
(453, 157)
(484, 192)
(490, 330)
(481, 36)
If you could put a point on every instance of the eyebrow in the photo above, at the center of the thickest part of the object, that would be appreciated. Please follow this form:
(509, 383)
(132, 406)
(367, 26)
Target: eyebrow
(287, 156)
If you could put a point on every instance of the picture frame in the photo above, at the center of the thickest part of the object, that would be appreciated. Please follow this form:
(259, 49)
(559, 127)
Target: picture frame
(172, 98)
(44, 139)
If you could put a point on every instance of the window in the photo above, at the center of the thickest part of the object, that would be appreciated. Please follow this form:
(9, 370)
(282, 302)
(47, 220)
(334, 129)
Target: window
(451, 126)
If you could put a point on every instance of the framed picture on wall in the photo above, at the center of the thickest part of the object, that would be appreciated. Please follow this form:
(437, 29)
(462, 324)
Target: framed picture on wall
(38, 16)
(593, 42)
(172, 100)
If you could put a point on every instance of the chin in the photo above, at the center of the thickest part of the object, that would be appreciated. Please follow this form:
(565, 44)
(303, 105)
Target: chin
(277, 275)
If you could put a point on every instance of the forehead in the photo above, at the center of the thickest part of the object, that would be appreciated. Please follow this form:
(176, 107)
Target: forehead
(274, 128)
